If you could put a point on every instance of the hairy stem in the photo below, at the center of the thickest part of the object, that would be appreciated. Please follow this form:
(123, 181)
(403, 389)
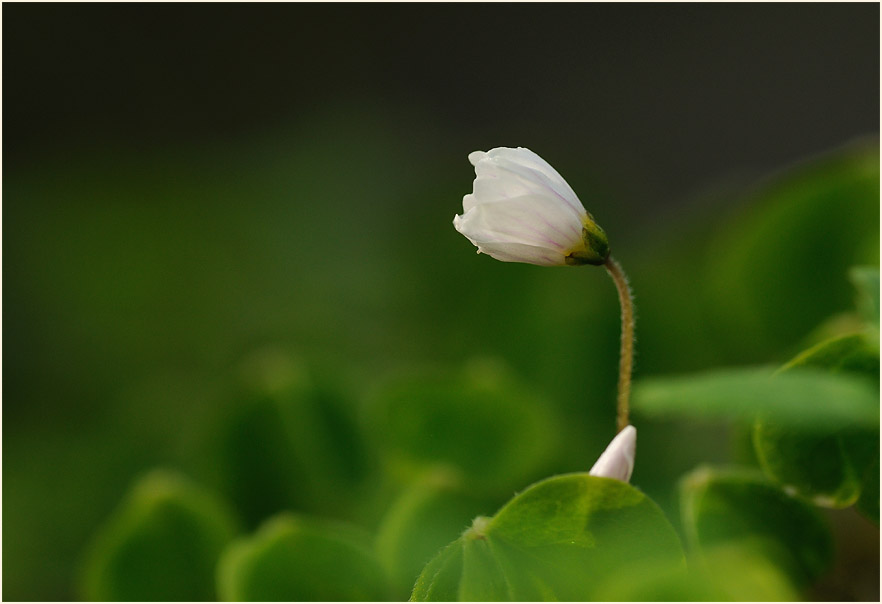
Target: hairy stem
(626, 356)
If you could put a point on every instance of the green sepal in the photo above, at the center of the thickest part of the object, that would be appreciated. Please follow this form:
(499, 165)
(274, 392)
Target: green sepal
(596, 249)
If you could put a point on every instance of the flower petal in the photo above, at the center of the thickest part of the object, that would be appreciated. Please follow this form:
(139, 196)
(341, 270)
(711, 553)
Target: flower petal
(520, 252)
(500, 187)
(530, 219)
(476, 156)
(530, 168)
(617, 461)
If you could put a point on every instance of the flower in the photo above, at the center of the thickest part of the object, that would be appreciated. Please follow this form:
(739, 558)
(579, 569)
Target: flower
(617, 461)
(522, 210)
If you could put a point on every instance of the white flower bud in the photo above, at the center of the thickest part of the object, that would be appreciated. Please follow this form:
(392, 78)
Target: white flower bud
(617, 461)
(522, 210)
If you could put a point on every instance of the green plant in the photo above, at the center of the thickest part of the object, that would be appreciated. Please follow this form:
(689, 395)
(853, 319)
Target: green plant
(405, 490)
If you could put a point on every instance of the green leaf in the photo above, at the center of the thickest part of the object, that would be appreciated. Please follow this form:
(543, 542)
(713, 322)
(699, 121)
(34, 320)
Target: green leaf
(424, 518)
(868, 504)
(726, 573)
(292, 558)
(440, 579)
(743, 510)
(481, 423)
(739, 573)
(558, 540)
(826, 468)
(776, 271)
(799, 398)
(855, 353)
(289, 442)
(162, 544)
(866, 281)
(824, 463)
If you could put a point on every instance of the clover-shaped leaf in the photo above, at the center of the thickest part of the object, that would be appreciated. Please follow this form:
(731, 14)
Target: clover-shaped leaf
(774, 273)
(727, 573)
(161, 545)
(424, 518)
(481, 422)
(289, 442)
(828, 464)
(742, 510)
(294, 558)
(558, 540)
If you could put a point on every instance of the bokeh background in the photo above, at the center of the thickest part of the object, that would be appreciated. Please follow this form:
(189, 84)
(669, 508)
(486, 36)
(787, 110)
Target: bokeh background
(187, 188)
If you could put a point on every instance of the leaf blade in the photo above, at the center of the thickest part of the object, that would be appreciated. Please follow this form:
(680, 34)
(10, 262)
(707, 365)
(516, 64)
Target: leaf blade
(799, 398)
(557, 540)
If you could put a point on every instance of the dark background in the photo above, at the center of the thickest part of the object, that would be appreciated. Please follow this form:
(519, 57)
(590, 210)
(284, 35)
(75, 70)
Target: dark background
(186, 183)
(666, 93)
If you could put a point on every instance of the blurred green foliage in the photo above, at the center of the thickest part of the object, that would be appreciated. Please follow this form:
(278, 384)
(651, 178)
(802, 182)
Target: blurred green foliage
(726, 572)
(162, 544)
(815, 422)
(296, 326)
(289, 442)
(866, 281)
(818, 461)
(742, 509)
(801, 397)
(799, 234)
(297, 559)
(480, 423)
(420, 522)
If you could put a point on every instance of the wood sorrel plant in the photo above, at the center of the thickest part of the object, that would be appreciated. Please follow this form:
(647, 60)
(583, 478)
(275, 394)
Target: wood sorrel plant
(565, 537)
(455, 443)
(522, 210)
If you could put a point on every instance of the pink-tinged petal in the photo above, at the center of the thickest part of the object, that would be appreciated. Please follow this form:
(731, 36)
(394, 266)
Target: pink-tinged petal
(528, 166)
(617, 461)
(524, 157)
(541, 180)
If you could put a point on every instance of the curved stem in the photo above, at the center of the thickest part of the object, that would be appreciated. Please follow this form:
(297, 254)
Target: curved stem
(626, 356)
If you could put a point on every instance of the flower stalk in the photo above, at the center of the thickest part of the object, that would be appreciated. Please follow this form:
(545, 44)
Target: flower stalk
(626, 352)
(522, 210)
